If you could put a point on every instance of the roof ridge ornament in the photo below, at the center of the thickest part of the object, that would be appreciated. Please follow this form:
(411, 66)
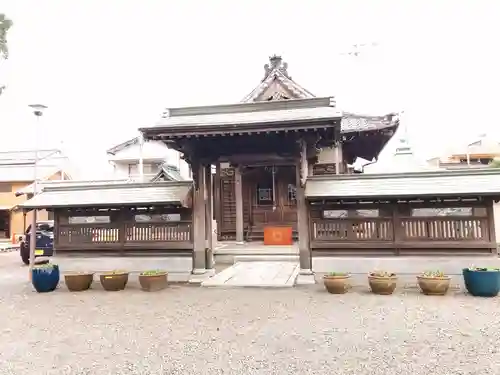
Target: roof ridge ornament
(276, 63)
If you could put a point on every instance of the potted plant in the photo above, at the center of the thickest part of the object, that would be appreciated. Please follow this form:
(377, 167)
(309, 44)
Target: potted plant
(434, 283)
(482, 282)
(153, 280)
(336, 282)
(79, 281)
(382, 282)
(45, 277)
(113, 281)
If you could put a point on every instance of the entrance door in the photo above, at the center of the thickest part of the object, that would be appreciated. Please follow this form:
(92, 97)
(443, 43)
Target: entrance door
(4, 224)
(272, 197)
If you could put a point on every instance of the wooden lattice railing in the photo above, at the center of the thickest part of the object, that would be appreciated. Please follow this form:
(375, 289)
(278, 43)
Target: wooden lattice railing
(445, 229)
(353, 229)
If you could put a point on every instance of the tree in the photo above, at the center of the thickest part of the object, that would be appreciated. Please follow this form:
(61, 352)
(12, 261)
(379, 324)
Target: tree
(5, 25)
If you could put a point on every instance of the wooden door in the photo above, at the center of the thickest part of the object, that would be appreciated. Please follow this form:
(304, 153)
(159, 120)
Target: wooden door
(273, 203)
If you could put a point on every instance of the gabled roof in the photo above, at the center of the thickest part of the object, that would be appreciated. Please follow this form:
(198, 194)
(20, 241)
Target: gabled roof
(42, 185)
(468, 182)
(113, 150)
(110, 195)
(277, 84)
(20, 157)
(276, 73)
(168, 173)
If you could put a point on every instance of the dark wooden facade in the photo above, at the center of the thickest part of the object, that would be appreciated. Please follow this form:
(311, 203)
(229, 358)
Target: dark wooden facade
(124, 231)
(402, 228)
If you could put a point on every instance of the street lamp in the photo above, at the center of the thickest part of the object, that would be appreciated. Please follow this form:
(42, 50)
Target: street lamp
(38, 110)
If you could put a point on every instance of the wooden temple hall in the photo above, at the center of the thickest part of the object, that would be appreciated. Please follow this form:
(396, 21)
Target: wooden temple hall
(275, 167)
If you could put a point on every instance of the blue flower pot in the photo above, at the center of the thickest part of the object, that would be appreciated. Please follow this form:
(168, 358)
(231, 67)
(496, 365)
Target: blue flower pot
(45, 279)
(482, 283)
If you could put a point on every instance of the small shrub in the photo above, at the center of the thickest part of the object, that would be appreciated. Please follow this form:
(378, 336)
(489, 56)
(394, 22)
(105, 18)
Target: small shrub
(115, 272)
(491, 269)
(435, 274)
(45, 267)
(153, 273)
(338, 274)
(382, 274)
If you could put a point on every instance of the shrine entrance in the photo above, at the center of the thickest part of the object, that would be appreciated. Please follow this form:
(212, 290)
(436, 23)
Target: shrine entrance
(271, 192)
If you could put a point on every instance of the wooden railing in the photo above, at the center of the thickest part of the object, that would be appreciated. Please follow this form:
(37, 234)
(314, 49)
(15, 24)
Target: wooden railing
(110, 235)
(158, 232)
(353, 229)
(445, 229)
(88, 234)
(410, 229)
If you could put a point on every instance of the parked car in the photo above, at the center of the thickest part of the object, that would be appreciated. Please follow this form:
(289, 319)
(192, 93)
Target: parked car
(44, 241)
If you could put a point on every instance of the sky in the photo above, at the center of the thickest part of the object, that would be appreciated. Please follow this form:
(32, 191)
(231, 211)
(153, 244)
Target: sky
(106, 68)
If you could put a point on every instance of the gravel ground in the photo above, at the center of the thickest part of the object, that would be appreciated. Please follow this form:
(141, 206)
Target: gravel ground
(190, 330)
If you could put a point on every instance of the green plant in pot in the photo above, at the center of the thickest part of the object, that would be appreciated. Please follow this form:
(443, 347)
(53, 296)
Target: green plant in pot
(78, 281)
(336, 282)
(382, 282)
(113, 281)
(153, 280)
(434, 283)
(45, 277)
(482, 281)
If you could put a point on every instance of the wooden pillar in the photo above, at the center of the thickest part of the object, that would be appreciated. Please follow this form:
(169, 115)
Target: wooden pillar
(209, 217)
(238, 186)
(302, 172)
(490, 212)
(217, 196)
(199, 219)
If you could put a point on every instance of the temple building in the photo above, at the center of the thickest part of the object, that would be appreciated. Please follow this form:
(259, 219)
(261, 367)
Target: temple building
(281, 158)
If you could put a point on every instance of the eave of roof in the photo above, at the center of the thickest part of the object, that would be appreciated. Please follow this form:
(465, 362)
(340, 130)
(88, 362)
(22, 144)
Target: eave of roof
(415, 184)
(115, 195)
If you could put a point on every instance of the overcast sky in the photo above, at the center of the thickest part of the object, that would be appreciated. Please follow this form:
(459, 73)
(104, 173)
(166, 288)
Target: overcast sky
(106, 68)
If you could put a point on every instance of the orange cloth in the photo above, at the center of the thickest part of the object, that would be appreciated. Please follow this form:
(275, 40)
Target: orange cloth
(278, 236)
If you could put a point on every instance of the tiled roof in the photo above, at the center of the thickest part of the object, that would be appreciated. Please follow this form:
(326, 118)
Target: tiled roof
(440, 183)
(41, 185)
(130, 194)
(169, 172)
(123, 145)
(276, 72)
(352, 123)
(251, 117)
(25, 173)
(26, 156)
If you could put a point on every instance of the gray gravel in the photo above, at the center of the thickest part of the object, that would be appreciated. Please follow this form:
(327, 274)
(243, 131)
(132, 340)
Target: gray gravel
(189, 330)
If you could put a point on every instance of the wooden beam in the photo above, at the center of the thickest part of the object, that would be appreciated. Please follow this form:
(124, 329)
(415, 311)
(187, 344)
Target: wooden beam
(238, 186)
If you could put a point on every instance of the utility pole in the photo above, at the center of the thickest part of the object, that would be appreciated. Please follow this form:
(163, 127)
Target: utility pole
(38, 112)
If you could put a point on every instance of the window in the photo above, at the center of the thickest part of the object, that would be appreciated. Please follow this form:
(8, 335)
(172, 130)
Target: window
(337, 214)
(144, 218)
(89, 219)
(448, 211)
(133, 169)
(5, 187)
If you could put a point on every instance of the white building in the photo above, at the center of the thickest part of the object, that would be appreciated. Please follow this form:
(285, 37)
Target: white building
(156, 157)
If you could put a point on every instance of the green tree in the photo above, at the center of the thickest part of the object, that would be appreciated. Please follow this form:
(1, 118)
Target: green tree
(5, 25)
